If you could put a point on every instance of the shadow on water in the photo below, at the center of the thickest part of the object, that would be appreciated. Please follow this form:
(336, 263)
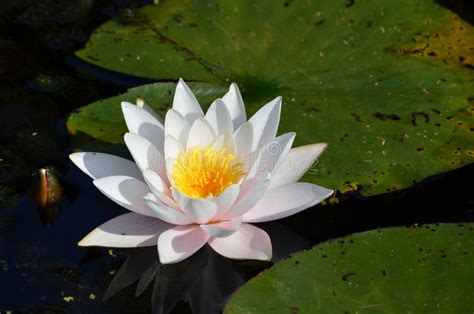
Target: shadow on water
(41, 266)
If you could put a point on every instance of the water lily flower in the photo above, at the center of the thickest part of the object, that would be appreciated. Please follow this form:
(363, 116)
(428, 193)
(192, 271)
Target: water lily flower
(202, 178)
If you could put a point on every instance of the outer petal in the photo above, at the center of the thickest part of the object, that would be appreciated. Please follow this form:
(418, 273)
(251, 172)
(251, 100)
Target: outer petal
(219, 117)
(175, 123)
(166, 213)
(274, 152)
(99, 165)
(248, 242)
(201, 134)
(146, 155)
(296, 163)
(178, 243)
(223, 228)
(244, 138)
(285, 201)
(141, 122)
(186, 103)
(127, 230)
(250, 196)
(265, 123)
(126, 191)
(142, 104)
(234, 103)
(198, 210)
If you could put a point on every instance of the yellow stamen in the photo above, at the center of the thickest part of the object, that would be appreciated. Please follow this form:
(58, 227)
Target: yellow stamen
(200, 173)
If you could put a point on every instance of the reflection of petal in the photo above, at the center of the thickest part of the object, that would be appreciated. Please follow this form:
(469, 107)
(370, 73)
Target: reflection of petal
(285, 201)
(285, 241)
(138, 261)
(127, 230)
(248, 242)
(128, 192)
(180, 242)
(99, 165)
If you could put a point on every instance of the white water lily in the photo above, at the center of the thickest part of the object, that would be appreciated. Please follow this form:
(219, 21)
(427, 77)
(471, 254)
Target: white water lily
(202, 178)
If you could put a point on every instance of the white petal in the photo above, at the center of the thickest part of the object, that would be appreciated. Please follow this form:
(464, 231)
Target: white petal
(99, 165)
(219, 117)
(226, 140)
(141, 122)
(223, 228)
(146, 155)
(159, 188)
(173, 147)
(180, 242)
(127, 230)
(186, 103)
(198, 210)
(166, 213)
(235, 105)
(169, 168)
(250, 196)
(201, 134)
(244, 138)
(126, 191)
(295, 164)
(265, 123)
(286, 200)
(248, 242)
(175, 123)
(142, 104)
(226, 199)
(274, 152)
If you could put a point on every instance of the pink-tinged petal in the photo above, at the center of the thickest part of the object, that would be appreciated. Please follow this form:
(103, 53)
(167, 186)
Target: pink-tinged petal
(141, 122)
(186, 103)
(274, 152)
(296, 164)
(226, 141)
(198, 210)
(99, 165)
(265, 123)
(285, 201)
(159, 188)
(126, 191)
(219, 118)
(180, 242)
(201, 134)
(127, 230)
(175, 124)
(173, 147)
(225, 200)
(142, 104)
(235, 104)
(250, 196)
(244, 138)
(146, 155)
(222, 229)
(166, 213)
(248, 242)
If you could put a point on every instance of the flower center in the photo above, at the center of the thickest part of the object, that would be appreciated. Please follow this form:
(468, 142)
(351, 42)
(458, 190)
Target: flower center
(205, 172)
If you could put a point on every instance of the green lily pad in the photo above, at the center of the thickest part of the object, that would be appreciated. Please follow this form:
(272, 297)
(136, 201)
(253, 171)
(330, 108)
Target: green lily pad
(388, 84)
(427, 269)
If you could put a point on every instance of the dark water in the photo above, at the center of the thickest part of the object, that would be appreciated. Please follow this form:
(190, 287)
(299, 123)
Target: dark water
(42, 269)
